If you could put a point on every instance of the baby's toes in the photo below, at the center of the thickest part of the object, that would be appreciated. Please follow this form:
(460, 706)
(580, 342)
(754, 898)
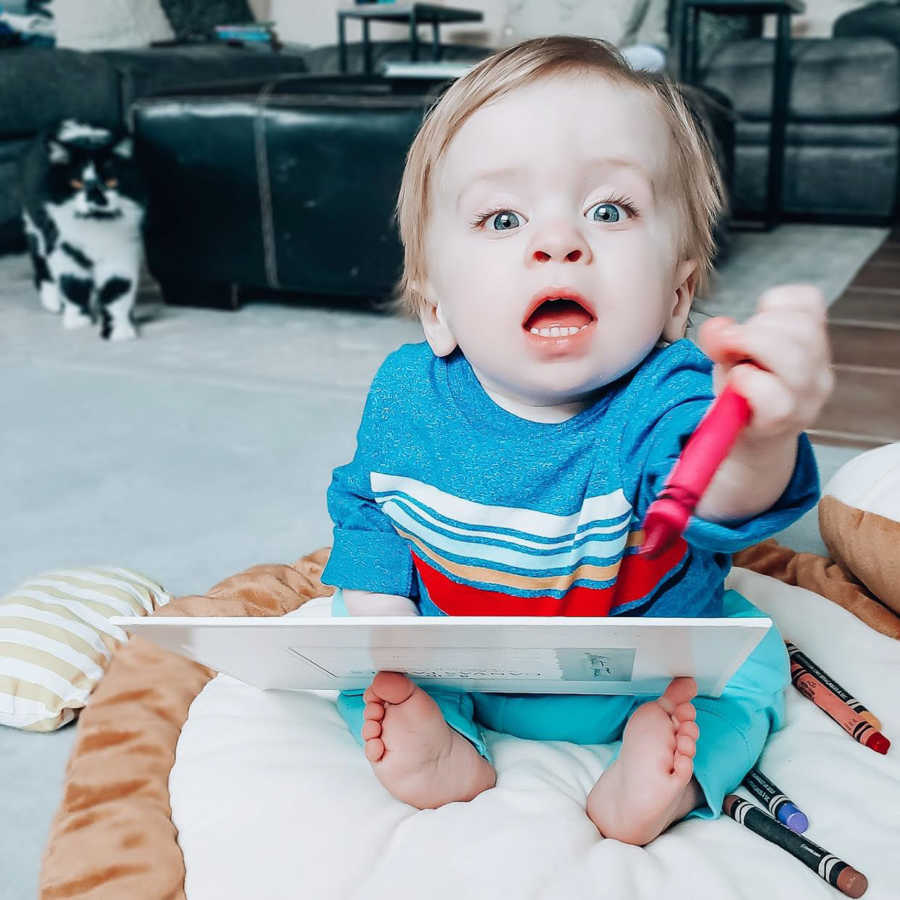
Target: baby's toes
(683, 768)
(684, 712)
(686, 738)
(686, 746)
(374, 711)
(679, 691)
(374, 745)
(371, 729)
(374, 749)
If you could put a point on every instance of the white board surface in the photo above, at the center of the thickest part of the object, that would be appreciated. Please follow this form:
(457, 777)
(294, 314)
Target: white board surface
(557, 655)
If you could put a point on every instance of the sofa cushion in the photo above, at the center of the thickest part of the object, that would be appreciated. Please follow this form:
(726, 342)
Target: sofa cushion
(10, 192)
(41, 85)
(829, 170)
(155, 70)
(831, 76)
(873, 20)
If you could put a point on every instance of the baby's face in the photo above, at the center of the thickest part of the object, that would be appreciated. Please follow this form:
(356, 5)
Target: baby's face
(557, 190)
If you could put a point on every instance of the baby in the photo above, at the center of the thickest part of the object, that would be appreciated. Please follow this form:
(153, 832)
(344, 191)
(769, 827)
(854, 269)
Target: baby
(556, 211)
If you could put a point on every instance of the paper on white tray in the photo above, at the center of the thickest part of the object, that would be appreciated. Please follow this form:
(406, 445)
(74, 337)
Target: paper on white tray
(572, 655)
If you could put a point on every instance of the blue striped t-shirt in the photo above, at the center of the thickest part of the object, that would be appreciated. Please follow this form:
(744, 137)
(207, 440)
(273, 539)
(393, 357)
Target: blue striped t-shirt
(471, 510)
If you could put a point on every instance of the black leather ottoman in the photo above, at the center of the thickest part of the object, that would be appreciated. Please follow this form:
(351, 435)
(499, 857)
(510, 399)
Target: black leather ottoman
(287, 185)
(284, 187)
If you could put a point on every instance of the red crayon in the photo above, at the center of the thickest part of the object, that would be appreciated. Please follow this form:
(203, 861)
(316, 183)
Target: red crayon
(668, 514)
(853, 723)
(832, 685)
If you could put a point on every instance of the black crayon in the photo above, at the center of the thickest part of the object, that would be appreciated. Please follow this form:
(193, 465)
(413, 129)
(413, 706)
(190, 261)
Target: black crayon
(832, 685)
(826, 865)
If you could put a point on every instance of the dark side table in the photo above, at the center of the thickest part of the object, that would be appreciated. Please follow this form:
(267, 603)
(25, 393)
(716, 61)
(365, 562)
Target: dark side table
(413, 13)
(783, 9)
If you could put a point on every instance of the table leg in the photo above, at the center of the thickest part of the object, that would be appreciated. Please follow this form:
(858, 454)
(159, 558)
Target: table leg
(683, 53)
(342, 44)
(435, 40)
(367, 48)
(413, 36)
(778, 123)
(695, 44)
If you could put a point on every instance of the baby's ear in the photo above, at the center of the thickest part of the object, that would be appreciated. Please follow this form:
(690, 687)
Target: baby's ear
(437, 332)
(682, 297)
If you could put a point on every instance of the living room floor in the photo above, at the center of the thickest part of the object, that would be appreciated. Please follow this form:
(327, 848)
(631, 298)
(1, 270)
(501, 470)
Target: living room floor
(207, 445)
(864, 327)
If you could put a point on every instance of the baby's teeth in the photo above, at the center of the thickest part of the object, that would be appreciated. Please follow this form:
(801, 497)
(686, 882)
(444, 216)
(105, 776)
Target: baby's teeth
(557, 331)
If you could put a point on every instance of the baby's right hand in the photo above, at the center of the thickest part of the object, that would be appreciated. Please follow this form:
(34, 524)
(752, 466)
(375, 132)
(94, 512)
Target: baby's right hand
(365, 603)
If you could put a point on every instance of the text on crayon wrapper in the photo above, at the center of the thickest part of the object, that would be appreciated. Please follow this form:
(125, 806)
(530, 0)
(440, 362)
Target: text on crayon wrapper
(562, 664)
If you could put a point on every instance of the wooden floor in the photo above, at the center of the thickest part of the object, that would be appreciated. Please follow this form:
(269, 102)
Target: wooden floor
(864, 326)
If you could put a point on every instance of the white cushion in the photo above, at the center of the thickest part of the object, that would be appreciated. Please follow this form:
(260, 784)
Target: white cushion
(273, 798)
(110, 24)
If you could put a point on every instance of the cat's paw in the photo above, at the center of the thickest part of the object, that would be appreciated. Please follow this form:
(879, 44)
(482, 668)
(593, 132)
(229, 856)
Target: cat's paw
(74, 318)
(123, 332)
(50, 298)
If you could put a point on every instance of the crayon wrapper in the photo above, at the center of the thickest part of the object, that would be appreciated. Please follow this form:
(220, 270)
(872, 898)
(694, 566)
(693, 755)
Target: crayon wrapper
(832, 705)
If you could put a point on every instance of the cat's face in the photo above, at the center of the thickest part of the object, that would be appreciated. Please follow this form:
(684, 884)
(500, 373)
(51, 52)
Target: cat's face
(89, 172)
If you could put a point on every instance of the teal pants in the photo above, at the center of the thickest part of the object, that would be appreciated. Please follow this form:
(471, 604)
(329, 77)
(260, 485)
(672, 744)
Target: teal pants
(733, 727)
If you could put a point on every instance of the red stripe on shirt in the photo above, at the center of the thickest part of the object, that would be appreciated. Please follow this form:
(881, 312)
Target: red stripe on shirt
(637, 577)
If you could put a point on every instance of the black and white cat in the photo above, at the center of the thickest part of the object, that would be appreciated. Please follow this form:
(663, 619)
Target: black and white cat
(83, 210)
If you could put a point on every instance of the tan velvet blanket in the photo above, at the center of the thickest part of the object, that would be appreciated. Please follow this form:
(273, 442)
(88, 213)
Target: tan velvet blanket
(113, 836)
(824, 576)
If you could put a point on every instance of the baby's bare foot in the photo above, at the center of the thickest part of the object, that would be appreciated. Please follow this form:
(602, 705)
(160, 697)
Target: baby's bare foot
(416, 755)
(650, 785)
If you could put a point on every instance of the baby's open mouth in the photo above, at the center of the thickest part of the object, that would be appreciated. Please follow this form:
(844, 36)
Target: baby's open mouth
(558, 317)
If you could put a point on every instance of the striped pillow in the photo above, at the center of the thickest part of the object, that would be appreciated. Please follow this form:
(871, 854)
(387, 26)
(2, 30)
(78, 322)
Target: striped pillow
(56, 640)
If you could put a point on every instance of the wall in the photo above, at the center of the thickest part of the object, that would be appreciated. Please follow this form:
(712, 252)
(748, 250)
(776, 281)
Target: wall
(314, 22)
(260, 9)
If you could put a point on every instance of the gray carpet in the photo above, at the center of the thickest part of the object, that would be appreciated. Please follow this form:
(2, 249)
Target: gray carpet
(207, 446)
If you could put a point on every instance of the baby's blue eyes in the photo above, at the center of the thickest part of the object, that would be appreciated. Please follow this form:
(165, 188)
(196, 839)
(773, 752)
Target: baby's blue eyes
(505, 221)
(607, 212)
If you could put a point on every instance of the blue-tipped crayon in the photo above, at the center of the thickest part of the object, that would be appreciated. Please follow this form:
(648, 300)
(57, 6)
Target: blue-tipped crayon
(778, 804)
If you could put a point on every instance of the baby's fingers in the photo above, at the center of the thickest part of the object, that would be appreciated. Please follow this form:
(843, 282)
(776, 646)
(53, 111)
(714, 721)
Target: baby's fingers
(774, 405)
(714, 340)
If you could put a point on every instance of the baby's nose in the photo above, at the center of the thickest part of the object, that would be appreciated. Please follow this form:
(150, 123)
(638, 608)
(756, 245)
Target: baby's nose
(572, 256)
(559, 243)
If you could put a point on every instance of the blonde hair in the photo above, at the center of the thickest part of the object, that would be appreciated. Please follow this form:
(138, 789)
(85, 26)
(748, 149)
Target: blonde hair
(694, 167)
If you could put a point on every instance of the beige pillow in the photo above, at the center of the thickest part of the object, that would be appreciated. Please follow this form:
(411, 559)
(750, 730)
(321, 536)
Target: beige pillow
(56, 640)
(110, 24)
(859, 518)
